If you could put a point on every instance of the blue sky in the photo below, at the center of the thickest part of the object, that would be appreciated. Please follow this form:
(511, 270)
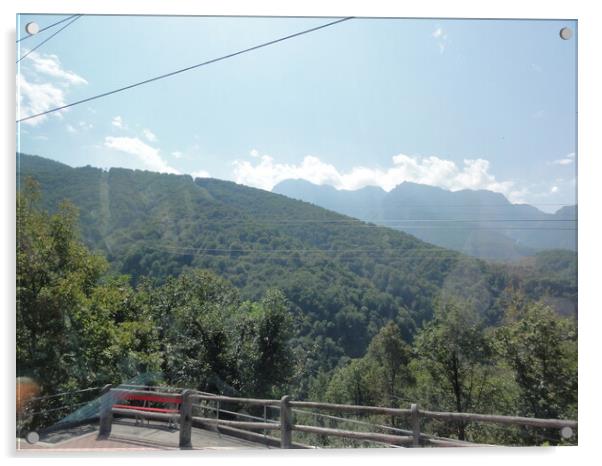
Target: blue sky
(452, 103)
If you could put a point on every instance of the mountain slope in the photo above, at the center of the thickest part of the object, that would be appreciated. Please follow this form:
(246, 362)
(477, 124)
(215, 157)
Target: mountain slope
(479, 223)
(344, 278)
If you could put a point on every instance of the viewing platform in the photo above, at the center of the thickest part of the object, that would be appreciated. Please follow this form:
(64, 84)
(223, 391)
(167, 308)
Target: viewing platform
(137, 417)
(129, 435)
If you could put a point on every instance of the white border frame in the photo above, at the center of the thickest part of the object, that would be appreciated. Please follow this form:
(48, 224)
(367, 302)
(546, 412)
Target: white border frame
(589, 171)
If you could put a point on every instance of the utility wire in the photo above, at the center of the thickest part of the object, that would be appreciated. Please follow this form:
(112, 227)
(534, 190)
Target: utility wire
(357, 223)
(306, 251)
(413, 227)
(182, 70)
(427, 253)
(50, 37)
(267, 254)
(404, 253)
(64, 393)
(47, 27)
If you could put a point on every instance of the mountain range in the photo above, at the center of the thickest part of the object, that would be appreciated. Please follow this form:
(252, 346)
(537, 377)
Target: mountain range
(480, 223)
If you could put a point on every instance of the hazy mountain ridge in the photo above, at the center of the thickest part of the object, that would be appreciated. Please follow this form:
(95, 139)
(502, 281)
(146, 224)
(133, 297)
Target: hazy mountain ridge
(477, 222)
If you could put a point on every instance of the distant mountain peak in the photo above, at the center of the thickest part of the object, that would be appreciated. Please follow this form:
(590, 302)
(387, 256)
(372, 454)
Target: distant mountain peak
(301, 182)
(481, 223)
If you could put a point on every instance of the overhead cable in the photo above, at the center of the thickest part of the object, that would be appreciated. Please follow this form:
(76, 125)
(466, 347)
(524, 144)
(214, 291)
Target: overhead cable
(182, 70)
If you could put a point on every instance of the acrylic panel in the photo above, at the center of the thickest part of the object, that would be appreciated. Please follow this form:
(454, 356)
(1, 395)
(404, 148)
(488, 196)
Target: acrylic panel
(295, 232)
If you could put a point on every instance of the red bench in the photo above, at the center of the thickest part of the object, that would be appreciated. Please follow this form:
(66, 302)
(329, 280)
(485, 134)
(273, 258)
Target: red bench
(150, 398)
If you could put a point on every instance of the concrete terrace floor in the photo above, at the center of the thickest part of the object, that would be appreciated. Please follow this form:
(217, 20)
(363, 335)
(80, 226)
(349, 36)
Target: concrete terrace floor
(125, 435)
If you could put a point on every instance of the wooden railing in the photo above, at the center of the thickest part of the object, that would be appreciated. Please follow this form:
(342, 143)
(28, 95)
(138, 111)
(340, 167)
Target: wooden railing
(286, 424)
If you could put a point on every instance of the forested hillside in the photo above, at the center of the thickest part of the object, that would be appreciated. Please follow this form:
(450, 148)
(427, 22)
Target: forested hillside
(343, 278)
(479, 223)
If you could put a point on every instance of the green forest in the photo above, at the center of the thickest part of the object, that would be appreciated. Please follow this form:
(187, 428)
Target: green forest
(127, 275)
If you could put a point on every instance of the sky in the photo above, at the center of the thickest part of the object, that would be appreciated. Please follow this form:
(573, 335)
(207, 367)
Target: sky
(459, 104)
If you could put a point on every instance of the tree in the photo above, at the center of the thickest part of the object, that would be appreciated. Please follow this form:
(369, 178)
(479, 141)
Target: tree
(212, 341)
(56, 278)
(355, 384)
(541, 348)
(389, 350)
(76, 327)
(377, 378)
(193, 314)
(453, 349)
(273, 362)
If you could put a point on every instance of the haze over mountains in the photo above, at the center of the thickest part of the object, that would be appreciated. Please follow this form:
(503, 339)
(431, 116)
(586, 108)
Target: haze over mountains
(479, 223)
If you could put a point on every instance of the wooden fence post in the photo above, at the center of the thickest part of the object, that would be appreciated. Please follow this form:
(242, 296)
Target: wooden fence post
(286, 423)
(415, 424)
(106, 412)
(186, 420)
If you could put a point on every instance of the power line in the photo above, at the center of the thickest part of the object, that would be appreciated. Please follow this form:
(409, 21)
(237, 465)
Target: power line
(401, 253)
(182, 70)
(400, 224)
(358, 222)
(50, 37)
(394, 225)
(275, 253)
(452, 228)
(279, 255)
(304, 251)
(47, 27)
(199, 251)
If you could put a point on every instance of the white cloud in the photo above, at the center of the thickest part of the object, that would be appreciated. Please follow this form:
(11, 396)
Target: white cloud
(71, 129)
(117, 122)
(434, 171)
(201, 174)
(518, 196)
(50, 65)
(177, 154)
(35, 98)
(554, 189)
(41, 85)
(146, 154)
(254, 153)
(149, 135)
(441, 38)
(569, 159)
(536, 67)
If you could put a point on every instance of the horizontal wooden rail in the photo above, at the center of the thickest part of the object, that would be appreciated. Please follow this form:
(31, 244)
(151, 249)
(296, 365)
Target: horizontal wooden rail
(423, 437)
(129, 386)
(352, 434)
(353, 421)
(164, 396)
(145, 414)
(454, 443)
(248, 435)
(233, 413)
(230, 399)
(496, 419)
(351, 408)
(147, 409)
(238, 424)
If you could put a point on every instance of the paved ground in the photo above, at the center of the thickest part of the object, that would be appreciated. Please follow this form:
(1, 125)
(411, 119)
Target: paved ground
(125, 435)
